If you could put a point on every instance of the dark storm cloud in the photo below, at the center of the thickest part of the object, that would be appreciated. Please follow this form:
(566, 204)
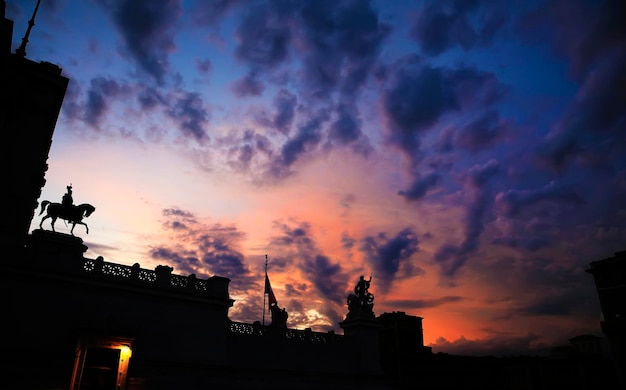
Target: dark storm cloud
(347, 241)
(149, 98)
(422, 303)
(582, 31)
(183, 261)
(451, 257)
(221, 257)
(417, 95)
(478, 175)
(188, 109)
(531, 244)
(347, 126)
(337, 44)
(264, 36)
(307, 138)
(414, 100)
(99, 96)
(247, 150)
(177, 213)
(512, 202)
(538, 285)
(210, 12)
(204, 66)
(497, 345)
(285, 111)
(563, 304)
(420, 186)
(390, 257)
(340, 42)
(590, 36)
(442, 25)
(327, 277)
(147, 30)
(320, 270)
(249, 85)
(72, 107)
(481, 133)
(591, 131)
(205, 248)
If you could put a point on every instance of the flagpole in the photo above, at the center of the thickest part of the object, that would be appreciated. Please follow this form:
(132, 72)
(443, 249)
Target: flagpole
(264, 281)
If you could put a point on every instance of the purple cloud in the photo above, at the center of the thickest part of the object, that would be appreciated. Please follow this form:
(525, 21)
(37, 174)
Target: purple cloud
(147, 30)
(189, 111)
(390, 256)
(442, 25)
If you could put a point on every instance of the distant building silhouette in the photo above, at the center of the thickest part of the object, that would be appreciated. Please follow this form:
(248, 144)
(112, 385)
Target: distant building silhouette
(609, 276)
(77, 323)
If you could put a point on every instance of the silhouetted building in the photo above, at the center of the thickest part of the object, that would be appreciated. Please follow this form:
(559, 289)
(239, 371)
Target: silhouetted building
(609, 276)
(30, 101)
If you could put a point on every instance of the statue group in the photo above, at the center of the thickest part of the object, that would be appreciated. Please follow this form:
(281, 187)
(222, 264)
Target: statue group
(361, 303)
(279, 316)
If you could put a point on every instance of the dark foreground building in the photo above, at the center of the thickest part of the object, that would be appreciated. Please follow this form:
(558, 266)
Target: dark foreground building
(77, 323)
(609, 276)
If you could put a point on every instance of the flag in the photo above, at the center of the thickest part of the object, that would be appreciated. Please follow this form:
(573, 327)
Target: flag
(269, 292)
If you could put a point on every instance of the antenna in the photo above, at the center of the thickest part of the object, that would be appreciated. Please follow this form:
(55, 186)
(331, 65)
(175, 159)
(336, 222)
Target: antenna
(21, 51)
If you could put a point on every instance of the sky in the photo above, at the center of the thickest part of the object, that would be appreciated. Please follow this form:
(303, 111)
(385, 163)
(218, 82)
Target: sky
(467, 155)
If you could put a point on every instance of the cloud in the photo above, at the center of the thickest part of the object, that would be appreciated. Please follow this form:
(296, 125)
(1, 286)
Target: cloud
(305, 140)
(340, 43)
(264, 37)
(328, 278)
(389, 257)
(422, 303)
(565, 303)
(531, 244)
(451, 257)
(99, 96)
(507, 345)
(189, 110)
(590, 37)
(420, 186)
(248, 152)
(147, 30)
(347, 241)
(347, 126)
(249, 85)
(149, 98)
(210, 12)
(512, 202)
(482, 133)
(205, 250)
(285, 104)
(443, 25)
(586, 31)
(417, 95)
(204, 66)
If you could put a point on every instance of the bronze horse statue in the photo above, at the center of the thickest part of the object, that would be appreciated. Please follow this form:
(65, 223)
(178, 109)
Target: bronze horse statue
(72, 214)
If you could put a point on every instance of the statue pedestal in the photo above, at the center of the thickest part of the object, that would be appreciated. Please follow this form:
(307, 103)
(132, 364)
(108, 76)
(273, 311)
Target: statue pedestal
(48, 244)
(365, 331)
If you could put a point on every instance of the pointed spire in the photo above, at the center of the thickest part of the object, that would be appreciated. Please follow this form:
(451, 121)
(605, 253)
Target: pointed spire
(21, 51)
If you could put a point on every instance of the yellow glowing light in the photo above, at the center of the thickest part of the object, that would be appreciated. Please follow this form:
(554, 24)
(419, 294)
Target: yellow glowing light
(125, 351)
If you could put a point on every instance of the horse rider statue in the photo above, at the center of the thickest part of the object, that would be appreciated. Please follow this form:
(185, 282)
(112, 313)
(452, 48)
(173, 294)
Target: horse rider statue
(67, 202)
(67, 211)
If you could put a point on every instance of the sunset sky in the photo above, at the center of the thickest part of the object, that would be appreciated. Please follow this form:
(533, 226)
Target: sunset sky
(468, 155)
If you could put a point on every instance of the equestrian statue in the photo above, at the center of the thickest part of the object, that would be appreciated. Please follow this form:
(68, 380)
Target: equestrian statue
(67, 211)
